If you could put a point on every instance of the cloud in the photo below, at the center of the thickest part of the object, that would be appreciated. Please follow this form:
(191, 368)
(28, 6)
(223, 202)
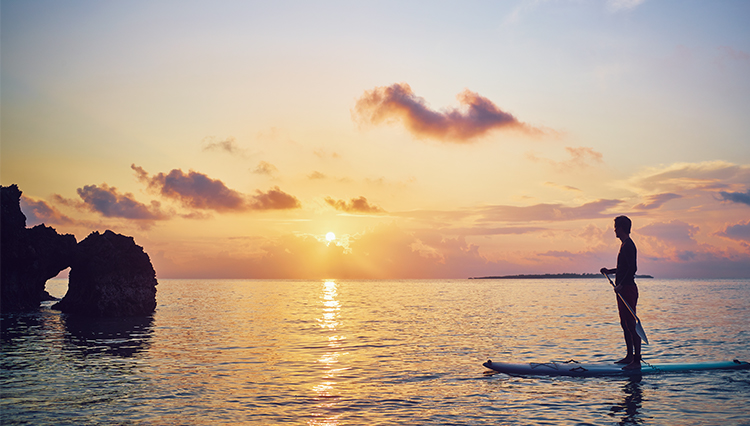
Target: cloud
(385, 251)
(674, 232)
(481, 216)
(656, 201)
(198, 191)
(728, 55)
(227, 145)
(562, 254)
(740, 231)
(38, 211)
(273, 199)
(324, 154)
(193, 189)
(708, 175)
(736, 197)
(563, 187)
(265, 168)
(623, 5)
(548, 212)
(398, 102)
(355, 205)
(580, 158)
(388, 251)
(516, 230)
(109, 202)
(316, 175)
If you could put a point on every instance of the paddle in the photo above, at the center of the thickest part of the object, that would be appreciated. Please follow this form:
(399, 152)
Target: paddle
(638, 326)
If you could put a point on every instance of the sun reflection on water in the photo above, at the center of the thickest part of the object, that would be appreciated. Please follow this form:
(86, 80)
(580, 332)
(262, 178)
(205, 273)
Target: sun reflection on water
(326, 390)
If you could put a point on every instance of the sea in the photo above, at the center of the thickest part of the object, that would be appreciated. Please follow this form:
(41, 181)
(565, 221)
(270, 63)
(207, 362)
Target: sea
(383, 352)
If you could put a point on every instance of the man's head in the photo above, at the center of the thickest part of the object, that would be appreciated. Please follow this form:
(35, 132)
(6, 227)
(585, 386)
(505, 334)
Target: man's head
(623, 223)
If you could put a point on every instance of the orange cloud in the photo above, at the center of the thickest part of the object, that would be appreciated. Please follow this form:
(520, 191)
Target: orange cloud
(355, 205)
(388, 251)
(265, 168)
(316, 175)
(563, 187)
(38, 211)
(398, 102)
(580, 157)
(383, 252)
(273, 199)
(198, 191)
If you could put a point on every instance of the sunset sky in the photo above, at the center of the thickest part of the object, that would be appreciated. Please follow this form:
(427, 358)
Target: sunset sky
(434, 139)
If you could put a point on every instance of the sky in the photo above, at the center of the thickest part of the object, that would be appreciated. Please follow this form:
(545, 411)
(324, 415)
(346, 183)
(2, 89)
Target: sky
(426, 139)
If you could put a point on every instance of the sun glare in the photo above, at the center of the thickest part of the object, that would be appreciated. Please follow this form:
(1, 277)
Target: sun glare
(330, 236)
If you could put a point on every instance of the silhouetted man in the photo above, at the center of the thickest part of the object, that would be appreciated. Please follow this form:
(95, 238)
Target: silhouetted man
(626, 287)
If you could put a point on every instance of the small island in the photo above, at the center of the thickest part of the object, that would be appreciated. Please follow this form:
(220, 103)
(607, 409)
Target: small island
(546, 276)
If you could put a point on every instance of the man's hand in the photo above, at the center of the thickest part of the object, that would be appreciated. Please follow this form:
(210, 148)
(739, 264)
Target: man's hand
(605, 271)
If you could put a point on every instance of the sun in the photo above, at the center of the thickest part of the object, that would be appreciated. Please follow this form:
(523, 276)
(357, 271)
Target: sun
(330, 236)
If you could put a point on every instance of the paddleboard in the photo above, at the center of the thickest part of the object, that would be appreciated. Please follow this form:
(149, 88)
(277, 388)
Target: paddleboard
(574, 368)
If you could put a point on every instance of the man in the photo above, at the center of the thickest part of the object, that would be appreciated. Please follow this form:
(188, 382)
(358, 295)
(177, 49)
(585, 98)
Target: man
(626, 287)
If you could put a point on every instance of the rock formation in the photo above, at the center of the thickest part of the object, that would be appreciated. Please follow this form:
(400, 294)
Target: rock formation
(110, 276)
(28, 257)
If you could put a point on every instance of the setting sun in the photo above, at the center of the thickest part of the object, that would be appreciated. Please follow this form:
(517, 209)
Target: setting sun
(330, 236)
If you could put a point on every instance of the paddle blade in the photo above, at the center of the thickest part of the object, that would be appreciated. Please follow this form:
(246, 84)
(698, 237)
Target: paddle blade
(641, 332)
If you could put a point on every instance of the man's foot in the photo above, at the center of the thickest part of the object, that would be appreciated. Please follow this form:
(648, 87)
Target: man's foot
(635, 365)
(626, 360)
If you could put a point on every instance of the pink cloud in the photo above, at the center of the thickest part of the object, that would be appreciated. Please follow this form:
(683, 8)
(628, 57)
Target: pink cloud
(109, 202)
(739, 231)
(480, 230)
(548, 212)
(198, 191)
(398, 102)
(674, 232)
(38, 211)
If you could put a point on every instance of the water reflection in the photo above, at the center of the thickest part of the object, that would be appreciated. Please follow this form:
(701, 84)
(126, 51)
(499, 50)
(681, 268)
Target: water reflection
(631, 404)
(122, 337)
(20, 331)
(325, 390)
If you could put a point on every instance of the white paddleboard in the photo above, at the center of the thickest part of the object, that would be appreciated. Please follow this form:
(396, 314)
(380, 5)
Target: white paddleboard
(574, 368)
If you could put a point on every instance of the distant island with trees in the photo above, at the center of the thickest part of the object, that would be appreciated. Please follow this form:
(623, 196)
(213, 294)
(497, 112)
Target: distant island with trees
(546, 276)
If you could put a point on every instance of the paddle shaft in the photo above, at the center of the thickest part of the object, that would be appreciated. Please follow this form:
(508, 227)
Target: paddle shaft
(638, 327)
(623, 299)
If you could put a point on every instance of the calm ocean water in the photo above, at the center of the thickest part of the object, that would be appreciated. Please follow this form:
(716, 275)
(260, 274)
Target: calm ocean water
(377, 352)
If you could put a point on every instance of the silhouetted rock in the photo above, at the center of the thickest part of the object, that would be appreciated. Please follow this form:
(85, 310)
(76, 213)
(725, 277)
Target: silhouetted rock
(110, 276)
(28, 257)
